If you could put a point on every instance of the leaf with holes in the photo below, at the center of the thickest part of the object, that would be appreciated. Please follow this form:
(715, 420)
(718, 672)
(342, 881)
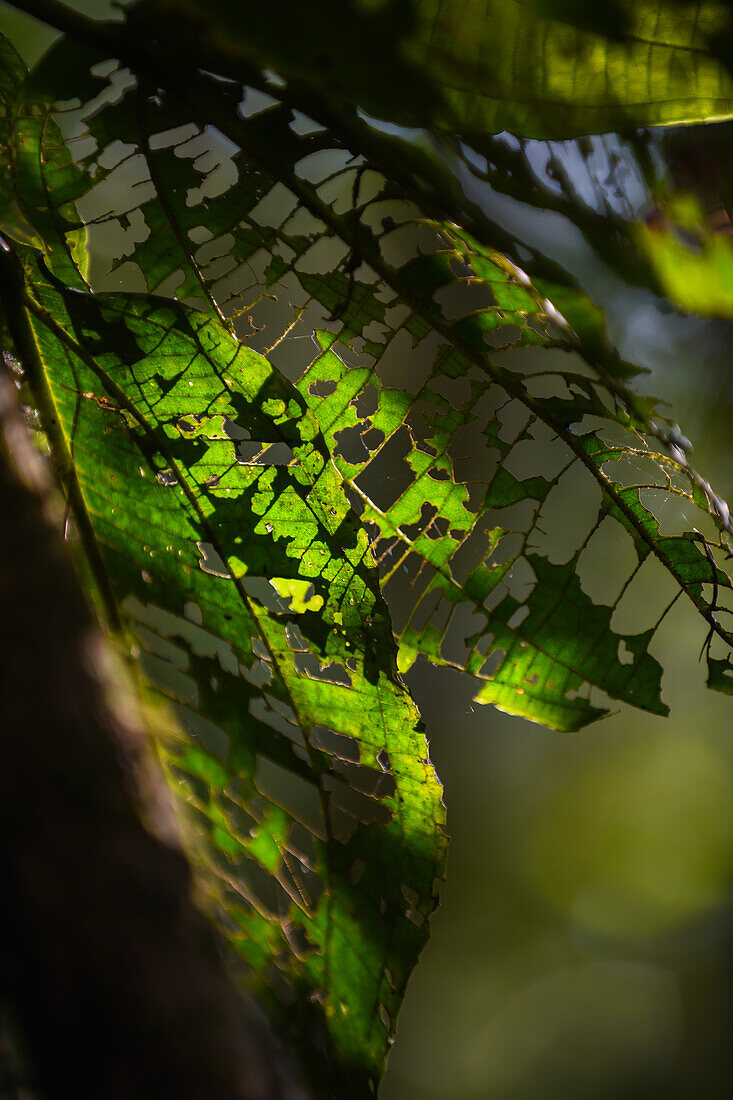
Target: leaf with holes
(439, 378)
(238, 566)
(548, 69)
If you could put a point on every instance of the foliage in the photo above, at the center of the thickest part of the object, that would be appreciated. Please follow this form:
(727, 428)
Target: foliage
(329, 373)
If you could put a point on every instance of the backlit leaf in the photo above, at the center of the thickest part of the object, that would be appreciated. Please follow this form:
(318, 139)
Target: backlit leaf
(240, 569)
(288, 234)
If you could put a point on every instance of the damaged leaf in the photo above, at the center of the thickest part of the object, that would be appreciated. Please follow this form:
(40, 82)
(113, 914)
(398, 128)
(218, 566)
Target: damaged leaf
(303, 765)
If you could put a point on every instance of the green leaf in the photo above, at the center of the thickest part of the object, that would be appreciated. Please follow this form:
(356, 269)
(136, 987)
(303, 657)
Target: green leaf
(533, 635)
(240, 569)
(12, 76)
(694, 264)
(47, 186)
(13, 73)
(407, 310)
(433, 419)
(85, 813)
(534, 652)
(432, 397)
(547, 69)
(720, 676)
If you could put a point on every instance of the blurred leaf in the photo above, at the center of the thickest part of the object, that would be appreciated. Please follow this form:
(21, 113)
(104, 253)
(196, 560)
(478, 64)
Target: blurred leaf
(720, 675)
(546, 69)
(693, 263)
(13, 73)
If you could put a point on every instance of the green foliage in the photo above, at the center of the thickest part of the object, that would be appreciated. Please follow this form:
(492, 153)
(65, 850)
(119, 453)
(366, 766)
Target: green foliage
(337, 376)
(537, 667)
(692, 263)
(542, 69)
(234, 557)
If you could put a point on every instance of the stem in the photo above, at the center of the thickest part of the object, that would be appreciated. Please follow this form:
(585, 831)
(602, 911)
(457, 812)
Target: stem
(12, 293)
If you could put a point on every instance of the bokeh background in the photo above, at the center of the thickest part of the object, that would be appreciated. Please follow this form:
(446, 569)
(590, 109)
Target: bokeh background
(584, 945)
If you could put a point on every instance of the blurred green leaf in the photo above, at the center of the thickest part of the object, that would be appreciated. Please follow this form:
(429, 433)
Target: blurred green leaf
(13, 73)
(546, 69)
(693, 263)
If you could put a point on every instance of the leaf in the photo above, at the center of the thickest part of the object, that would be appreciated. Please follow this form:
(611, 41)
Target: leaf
(597, 183)
(534, 651)
(269, 222)
(205, 479)
(693, 263)
(94, 853)
(407, 309)
(544, 662)
(47, 185)
(12, 76)
(13, 73)
(546, 69)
